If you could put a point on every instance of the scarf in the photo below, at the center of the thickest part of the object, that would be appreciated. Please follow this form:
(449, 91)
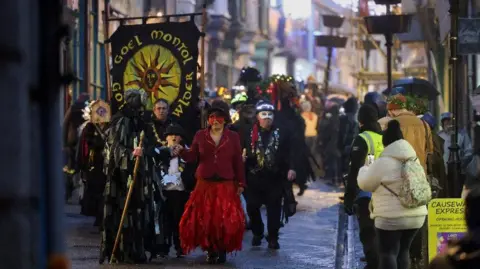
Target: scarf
(265, 154)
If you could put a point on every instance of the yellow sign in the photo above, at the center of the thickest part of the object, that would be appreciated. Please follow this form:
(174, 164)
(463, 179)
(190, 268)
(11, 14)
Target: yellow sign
(154, 69)
(446, 221)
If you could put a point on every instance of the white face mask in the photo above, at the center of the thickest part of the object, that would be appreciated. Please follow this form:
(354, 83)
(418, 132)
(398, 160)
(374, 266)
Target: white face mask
(266, 115)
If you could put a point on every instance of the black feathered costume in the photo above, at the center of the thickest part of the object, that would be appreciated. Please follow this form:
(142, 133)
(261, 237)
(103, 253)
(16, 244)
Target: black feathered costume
(123, 135)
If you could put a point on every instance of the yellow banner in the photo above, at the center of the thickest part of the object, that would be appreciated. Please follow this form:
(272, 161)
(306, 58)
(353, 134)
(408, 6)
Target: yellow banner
(446, 221)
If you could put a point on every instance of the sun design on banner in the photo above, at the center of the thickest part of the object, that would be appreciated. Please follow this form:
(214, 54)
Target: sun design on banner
(155, 70)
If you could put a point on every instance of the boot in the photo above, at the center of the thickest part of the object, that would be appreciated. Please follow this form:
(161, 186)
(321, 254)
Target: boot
(212, 257)
(302, 190)
(257, 240)
(179, 253)
(273, 243)
(222, 257)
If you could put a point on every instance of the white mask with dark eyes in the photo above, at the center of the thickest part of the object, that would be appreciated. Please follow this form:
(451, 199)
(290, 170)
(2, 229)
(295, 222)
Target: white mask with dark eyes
(265, 115)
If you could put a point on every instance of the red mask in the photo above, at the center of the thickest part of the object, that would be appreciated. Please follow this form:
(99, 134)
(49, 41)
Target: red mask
(215, 118)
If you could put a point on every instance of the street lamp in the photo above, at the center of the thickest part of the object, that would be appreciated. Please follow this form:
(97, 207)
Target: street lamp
(453, 164)
(388, 25)
(330, 41)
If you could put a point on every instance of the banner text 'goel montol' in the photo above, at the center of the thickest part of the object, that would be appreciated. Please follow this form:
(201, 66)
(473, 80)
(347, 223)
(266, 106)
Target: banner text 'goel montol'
(135, 43)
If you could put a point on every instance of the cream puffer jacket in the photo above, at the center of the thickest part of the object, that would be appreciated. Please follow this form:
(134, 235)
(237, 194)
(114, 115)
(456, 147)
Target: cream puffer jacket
(387, 170)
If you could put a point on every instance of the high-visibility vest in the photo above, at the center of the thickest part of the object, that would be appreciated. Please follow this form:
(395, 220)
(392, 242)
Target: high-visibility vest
(374, 143)
(375, 148)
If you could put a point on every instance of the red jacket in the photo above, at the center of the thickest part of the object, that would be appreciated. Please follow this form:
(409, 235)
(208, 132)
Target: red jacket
(224, 161)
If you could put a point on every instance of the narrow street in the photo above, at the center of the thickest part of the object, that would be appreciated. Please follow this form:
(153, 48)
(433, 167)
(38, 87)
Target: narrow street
(307, 241)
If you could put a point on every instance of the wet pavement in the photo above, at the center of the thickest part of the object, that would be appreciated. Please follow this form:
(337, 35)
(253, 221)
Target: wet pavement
(307, 242)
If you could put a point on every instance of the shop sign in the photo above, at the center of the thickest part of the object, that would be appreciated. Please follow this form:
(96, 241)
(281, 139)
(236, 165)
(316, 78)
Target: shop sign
(468, 36)
(446, 221)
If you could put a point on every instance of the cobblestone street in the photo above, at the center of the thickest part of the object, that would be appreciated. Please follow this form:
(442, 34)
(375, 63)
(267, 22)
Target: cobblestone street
(307, 241)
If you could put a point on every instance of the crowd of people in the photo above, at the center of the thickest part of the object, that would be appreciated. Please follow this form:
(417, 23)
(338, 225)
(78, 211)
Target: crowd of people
(153, 188)
(397, 163)
(169, 189)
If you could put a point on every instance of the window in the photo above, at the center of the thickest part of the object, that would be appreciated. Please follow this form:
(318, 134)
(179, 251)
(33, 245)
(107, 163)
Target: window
(263, 16)
(243, 10)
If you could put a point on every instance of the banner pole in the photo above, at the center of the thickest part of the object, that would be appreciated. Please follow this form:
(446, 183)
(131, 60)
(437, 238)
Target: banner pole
(202, 60)
(106, 50)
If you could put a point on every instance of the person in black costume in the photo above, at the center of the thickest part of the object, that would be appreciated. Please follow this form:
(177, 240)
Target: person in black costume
(287, 117)
(176, 182)
(160, 120)
(250, 78)
(155, 134)
(270, 163)
(72, 121)
(123, 147)
(90, 159)
(367, 118)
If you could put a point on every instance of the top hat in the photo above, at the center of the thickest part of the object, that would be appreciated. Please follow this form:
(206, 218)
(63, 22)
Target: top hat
(249, 74)
(174, 129)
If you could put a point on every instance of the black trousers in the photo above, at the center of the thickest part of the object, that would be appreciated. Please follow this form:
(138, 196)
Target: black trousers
(367, 233)
(393, 248)
(333, 169)
(173, 211)
(272, 199)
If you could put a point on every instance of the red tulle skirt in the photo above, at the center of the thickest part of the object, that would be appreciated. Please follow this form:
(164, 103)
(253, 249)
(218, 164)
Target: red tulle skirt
(213, 218)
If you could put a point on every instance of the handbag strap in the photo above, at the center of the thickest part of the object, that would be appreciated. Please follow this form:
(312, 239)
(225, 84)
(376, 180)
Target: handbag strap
(390, 190)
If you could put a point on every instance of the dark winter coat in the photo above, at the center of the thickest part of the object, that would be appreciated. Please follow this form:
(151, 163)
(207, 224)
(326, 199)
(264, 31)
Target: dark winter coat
(329, 131)
(154, 128)
(348, 127)
(358, 156)
(289, 120)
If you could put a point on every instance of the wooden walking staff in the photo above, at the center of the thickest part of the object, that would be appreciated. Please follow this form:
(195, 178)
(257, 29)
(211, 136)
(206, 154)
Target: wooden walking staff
(106, 46)
(127, 200)
(202, 62)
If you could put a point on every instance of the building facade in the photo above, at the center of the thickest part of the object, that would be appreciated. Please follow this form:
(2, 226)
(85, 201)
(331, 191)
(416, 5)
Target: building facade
(87, 50)
(275, 36)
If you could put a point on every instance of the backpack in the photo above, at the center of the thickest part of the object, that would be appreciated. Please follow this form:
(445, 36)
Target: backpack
(415, 190)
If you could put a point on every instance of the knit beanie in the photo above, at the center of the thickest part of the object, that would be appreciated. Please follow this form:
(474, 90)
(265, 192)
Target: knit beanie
(367, 114)
(392, 133)
(396, 102)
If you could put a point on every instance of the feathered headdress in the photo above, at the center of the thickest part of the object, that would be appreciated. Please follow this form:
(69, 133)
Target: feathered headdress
(87, 111)
(276, 88)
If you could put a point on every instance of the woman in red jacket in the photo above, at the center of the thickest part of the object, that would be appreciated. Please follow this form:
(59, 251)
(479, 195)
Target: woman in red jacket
(213, 218)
